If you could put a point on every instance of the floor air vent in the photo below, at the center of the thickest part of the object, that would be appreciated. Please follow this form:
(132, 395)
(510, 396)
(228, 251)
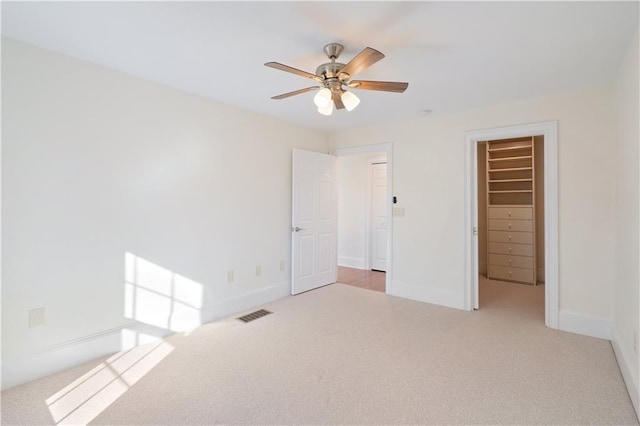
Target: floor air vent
(254, 315)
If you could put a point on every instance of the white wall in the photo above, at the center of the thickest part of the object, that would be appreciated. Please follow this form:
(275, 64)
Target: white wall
(352, 209)
(428, 245)
(97, 164)
(627, 249)
(354, 198)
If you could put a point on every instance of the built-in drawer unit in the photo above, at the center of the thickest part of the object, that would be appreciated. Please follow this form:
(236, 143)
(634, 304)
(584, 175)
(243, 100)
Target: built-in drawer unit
(509, 212)
(525, 262)
(511, 203)
(514, 249)
(510, 237)
(510, 225)
(512, 274)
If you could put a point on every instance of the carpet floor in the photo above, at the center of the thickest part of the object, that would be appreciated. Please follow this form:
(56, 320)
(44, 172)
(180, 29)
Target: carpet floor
(344, 355)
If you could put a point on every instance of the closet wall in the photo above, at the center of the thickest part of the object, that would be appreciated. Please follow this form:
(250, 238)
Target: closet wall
(539, 207)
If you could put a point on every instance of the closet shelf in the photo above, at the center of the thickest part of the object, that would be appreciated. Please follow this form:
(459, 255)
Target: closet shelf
(513, 169)
(509, 180)
(510, 148)
(511, 191)
(523, 157)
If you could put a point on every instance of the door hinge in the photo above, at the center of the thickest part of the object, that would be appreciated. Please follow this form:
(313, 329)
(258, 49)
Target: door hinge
(475, 231)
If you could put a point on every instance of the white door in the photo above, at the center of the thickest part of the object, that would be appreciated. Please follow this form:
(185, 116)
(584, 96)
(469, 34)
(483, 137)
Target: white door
(314, 221)
(379, 217)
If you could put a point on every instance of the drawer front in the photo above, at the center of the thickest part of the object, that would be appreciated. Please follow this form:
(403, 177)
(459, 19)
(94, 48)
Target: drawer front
(514, 249)
(511, 213)
(511, 237)
(525, 262)
(511, 225)
(514, 274)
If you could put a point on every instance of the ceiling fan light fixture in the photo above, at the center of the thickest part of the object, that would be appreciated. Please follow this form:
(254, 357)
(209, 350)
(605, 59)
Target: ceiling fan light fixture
(349, 100)
(326, 110)
(323, 98)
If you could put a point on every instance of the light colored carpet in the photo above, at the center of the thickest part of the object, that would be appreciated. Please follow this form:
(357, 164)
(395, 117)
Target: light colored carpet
(340, 355)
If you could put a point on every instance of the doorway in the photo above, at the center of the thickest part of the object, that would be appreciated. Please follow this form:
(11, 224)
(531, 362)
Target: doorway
(364, 176)
(547, 131)
(510, 178)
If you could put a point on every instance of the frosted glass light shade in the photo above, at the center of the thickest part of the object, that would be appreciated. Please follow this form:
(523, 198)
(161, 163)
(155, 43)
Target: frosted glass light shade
(328, 110)
(323, 98)
(350, 100)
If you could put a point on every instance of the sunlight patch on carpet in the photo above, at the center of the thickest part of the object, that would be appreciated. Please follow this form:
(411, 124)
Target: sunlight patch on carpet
(86, 397)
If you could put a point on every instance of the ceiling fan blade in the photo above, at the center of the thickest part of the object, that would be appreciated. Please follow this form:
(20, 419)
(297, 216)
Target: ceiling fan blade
(292, 70)
(385, 86)
(337, 100)
(362, 60)
(297, 92)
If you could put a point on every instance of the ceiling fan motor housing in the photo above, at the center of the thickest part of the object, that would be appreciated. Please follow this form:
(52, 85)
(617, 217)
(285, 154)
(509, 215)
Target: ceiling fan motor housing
(329, 70)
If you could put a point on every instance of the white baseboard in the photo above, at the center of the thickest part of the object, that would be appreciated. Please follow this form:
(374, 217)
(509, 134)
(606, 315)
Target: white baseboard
(628, 374)
(59, 357)
(428, 294)
(64, 355)
(352, 262)
(246, 301)
(586, 325)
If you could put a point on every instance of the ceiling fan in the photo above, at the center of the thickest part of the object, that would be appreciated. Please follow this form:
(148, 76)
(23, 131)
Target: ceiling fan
(334, 77)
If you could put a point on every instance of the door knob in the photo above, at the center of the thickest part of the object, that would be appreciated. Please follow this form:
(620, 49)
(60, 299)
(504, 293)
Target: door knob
(296, 229)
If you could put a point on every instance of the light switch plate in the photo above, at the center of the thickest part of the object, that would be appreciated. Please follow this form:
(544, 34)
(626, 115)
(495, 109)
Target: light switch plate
(398, 211)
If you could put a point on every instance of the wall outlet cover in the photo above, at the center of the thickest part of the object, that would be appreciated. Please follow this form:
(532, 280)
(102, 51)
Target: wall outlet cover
(36, 317)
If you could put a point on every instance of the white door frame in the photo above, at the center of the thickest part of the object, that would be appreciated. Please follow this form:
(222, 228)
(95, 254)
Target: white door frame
(388, 149)
(548, 129)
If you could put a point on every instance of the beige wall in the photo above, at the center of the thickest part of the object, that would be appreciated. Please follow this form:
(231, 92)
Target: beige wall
(97, 164)
(539, 182)
(482, 208)
(428, 156)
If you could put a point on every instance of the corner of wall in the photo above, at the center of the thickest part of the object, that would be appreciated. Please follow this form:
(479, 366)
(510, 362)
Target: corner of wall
(428, 294)
(574, 322)
(628, 372)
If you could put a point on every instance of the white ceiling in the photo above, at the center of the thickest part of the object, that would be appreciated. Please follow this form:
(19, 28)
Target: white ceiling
(455, 55)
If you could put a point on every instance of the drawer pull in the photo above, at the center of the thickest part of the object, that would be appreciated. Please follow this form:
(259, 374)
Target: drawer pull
(509, 273)
(509, 226)
(509, 249)
(509, 237)
(509, 261)
(509, 214)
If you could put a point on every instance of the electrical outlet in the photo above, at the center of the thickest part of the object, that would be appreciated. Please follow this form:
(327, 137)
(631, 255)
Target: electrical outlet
(229, 276)
(258, 270)
(36, 317)
(281, 265)
(635, 341)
